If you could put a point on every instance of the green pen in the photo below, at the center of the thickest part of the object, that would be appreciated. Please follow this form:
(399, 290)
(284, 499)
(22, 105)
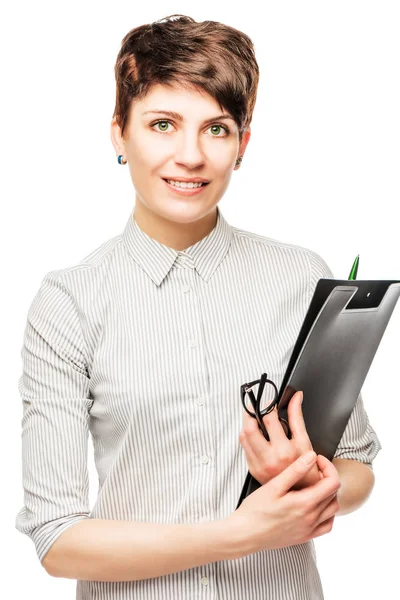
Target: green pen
(354, 269)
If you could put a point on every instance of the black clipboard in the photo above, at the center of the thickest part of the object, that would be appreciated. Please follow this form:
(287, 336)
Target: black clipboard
(338, 339)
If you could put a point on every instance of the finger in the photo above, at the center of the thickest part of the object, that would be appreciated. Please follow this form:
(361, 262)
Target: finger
(283, 482)
(321, 529)
(251, 458)
(324, 503)
(274, 428)
(249, 423)
(258, 446)
(296, 420)
(327, 467)
(328, 485)
(328, 511)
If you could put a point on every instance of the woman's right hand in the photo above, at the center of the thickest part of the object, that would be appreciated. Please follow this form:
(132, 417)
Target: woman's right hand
(274, 517)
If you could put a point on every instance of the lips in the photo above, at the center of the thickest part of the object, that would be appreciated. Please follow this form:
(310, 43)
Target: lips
(203, 182)
(184, 191)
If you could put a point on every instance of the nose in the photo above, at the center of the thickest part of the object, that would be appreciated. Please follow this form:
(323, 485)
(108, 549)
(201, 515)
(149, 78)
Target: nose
(189, 151)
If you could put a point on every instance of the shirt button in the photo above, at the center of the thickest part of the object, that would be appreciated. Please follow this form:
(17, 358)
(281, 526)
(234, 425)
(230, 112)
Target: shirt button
(200, 401)
(186, 288)
(205, 459)
(204, 581)
(193, 343)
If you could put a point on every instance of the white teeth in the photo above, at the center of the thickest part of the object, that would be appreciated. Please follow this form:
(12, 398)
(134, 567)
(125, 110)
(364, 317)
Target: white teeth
(184, 184)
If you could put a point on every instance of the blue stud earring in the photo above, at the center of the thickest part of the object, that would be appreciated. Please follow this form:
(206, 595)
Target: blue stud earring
(121, 161)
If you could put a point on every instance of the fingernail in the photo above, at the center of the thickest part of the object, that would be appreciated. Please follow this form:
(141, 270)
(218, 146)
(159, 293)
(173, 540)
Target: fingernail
(301, 397)
(309, 457)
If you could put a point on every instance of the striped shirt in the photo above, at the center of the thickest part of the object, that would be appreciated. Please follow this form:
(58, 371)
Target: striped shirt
(146, 347)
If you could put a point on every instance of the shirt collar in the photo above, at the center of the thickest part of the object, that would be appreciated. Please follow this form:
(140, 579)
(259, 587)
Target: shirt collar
(156, 259)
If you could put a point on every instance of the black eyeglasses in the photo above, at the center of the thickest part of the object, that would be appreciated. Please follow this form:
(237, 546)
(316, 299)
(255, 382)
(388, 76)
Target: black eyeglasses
(262, 405)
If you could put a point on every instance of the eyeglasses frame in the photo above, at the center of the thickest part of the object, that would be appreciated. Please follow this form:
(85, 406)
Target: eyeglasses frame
(246, 388)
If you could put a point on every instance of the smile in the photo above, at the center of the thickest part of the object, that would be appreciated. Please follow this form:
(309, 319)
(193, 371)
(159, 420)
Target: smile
(185, 190)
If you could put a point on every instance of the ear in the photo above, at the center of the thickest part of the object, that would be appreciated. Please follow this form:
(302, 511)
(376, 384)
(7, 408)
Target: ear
(116, 138)
(244, 142)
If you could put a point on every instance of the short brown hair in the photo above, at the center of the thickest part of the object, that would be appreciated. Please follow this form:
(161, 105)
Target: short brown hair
(177, 50)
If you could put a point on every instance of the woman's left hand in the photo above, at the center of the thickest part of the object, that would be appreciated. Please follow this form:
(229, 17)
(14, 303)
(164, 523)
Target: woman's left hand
(267, 459)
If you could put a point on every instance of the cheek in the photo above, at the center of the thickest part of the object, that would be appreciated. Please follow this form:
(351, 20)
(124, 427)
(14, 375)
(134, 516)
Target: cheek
(222, 156)
(147, 153)
(146, 167)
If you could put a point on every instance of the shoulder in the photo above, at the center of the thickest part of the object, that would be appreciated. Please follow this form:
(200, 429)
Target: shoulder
(283, 251)
(96, 259)
(84, 278)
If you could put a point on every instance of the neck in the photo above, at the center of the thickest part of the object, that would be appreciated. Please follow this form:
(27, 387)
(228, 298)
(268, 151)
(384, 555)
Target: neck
(178, 236)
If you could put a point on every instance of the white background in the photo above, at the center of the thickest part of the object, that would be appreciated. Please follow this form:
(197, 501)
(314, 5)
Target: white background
(321, 171)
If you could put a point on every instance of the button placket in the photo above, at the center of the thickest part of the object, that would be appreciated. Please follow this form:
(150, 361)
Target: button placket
(202, 441)
(207, 577)
(185, 261)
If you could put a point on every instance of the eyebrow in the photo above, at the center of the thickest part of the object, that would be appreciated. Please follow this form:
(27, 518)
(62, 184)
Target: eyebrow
(179, 117)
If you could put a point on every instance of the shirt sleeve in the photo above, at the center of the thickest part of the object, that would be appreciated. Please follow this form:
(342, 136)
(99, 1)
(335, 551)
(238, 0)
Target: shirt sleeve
(54, 388)
(359, 440)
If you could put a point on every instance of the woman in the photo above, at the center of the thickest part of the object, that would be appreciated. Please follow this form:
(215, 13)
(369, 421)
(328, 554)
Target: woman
(145, 344)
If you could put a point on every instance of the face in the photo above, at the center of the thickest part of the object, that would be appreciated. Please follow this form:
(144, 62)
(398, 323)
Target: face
(159, 146)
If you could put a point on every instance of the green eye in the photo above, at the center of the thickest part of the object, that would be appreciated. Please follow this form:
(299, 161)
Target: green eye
(215, 127)
(162, 122)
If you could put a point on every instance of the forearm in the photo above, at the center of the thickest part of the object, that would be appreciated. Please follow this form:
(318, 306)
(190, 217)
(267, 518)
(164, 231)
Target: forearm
(357, 481)
(113, 550)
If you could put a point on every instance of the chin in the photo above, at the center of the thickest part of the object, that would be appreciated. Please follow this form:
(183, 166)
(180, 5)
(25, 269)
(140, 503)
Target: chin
(182, 211)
